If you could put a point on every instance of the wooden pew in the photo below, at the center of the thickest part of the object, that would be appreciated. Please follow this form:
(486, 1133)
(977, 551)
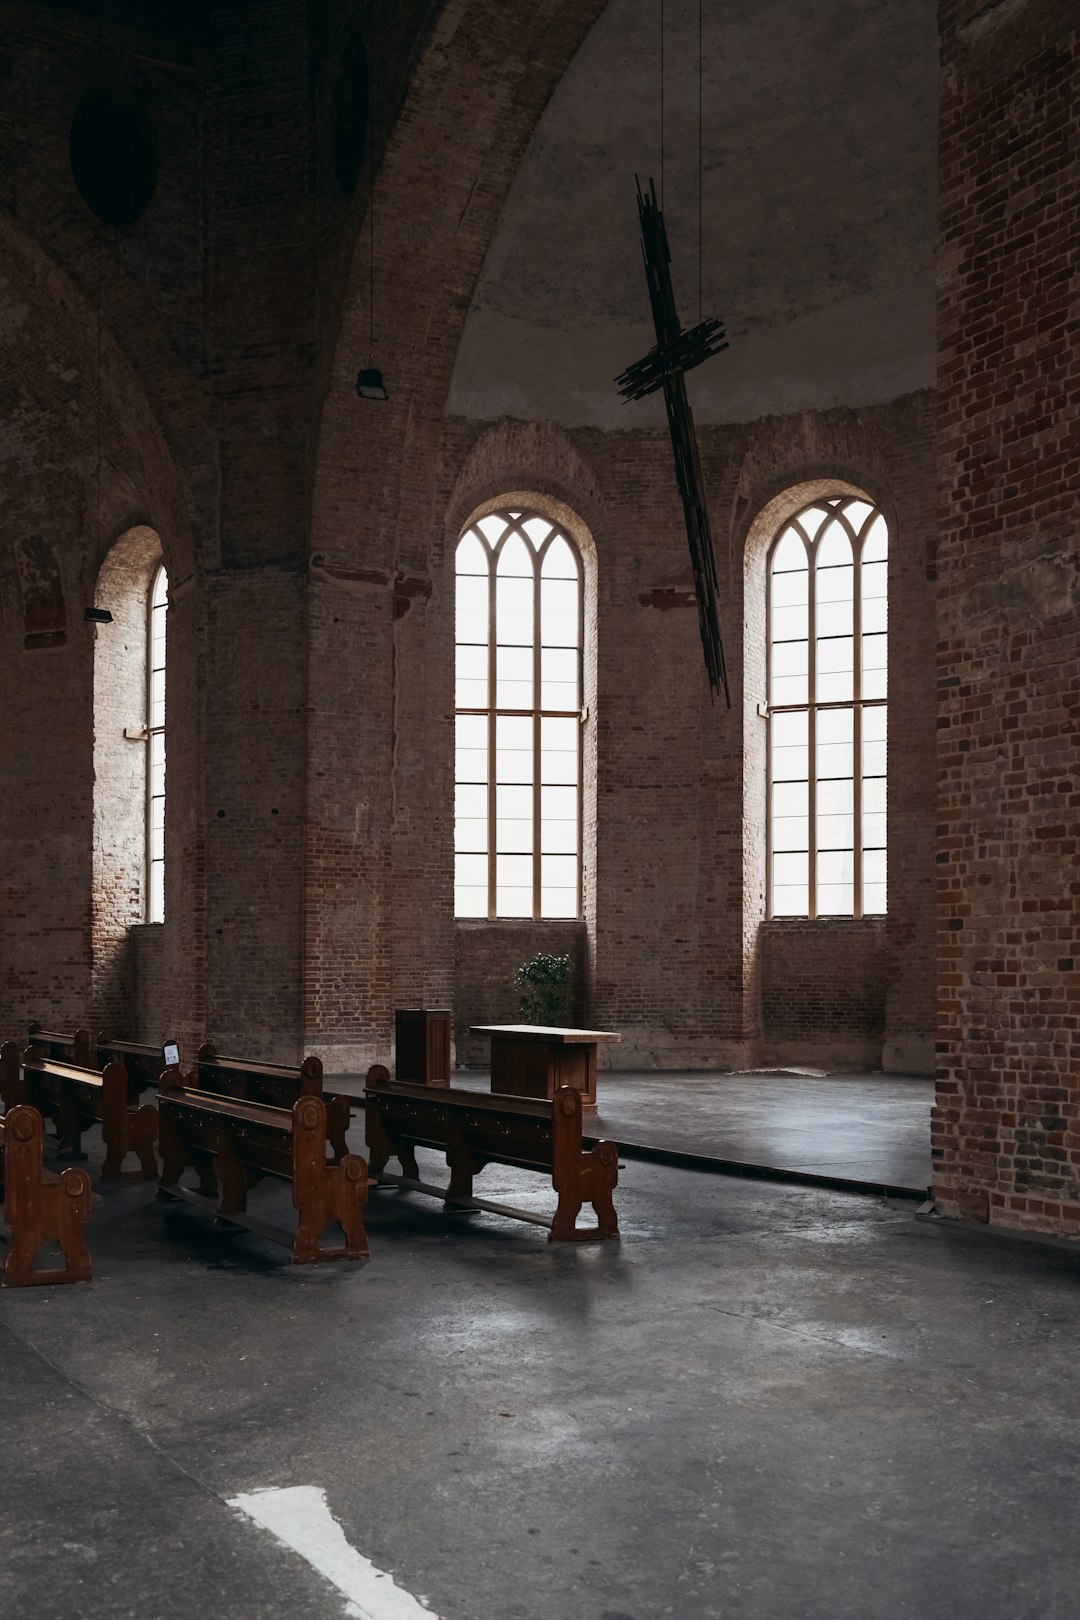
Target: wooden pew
(233, 1144)
(144, 1064)
(476, 1128)
(40, 1207)
(274, 1083)
(64, 1048)
(77, 1097)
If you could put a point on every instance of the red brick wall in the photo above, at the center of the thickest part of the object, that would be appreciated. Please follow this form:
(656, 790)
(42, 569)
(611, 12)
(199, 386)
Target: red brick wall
(1005, 1135)
(823, 991)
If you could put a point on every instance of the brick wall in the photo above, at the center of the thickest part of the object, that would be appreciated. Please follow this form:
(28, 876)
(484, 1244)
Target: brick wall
(1006, 1140)
(823, 991)
(488, 954)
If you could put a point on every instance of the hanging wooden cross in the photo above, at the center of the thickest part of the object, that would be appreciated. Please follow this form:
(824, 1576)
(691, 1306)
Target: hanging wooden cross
(665, 366)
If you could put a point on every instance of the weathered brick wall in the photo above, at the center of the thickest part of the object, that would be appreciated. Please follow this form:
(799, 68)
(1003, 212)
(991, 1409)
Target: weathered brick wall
(1005, 1136)
(487, 957)
(823, 989)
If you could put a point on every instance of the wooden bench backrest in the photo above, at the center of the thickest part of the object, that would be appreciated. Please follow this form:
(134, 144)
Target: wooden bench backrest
(275, 1083)
(142, 1061)
(281, 1142)
(522, 1131)
(65, 1048)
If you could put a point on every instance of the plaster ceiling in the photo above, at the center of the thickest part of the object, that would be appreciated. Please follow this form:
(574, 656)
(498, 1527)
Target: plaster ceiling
(819, 138)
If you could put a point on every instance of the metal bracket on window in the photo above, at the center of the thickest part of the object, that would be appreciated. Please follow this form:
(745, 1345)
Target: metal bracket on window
(136, 733)
(763, 711)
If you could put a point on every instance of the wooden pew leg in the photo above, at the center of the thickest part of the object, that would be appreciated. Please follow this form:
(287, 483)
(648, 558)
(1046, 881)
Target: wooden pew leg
(232, 1175)
(41, 1207)
(68, 1131)
(338, 1115)
(323, 1192)
(460, 1161)
(382, 1147)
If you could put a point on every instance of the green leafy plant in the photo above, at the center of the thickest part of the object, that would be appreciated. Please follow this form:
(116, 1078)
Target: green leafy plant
(543, 987)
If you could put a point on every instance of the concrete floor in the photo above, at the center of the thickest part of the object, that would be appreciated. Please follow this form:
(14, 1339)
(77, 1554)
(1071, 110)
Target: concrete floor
(767, 1401)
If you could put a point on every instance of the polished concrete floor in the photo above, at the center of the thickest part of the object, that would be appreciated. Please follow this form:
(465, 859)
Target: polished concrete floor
(769, 1401)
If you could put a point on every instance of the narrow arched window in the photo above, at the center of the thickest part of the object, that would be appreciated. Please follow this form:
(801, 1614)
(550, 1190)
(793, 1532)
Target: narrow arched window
(827, 669)
(518, 719)
(155, 742)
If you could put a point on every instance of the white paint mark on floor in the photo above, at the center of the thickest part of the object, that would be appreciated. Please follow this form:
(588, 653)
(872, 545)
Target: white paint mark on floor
(299, 1516)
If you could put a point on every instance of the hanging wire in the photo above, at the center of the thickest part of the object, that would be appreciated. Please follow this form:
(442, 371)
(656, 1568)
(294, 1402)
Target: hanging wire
(371, 210)
(661, 104)
(700, 143)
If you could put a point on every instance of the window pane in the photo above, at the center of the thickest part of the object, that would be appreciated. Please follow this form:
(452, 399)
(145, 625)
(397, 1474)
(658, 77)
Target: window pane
(513, 749)
(873, 794)
(874, 722)
(835, 686)
(874, 867)
(514, 803)
(157, 698)
(558, 871)
(157, 780)
(790, 870)
(835, 832)
(790, 590)
(788, 624)
(558, 804)
(559, 561)
(470, 801)
(874, 580)
(836, 798)
(790, 799)
(157, 750)
(835, 618)
(873, 900)
(811, 520)
(835, 585)
(472, 556)
(515, 559)
(157, 814)
(470, 833)
(833, 550)
(857, 513)
(537, 529)
(559, 837)
(514, 673)
(559, 903)
(514, 836)
(156, 911)
(835, 759)
(559, 599)
(873, 759)
(835, 725)
(470, 902)
(835, 900)
(873, 830)
(790, 764)
(472, 682)
(471, 764)
(492, 526)
(791, 833)
(875, 542)
(558, 767)
(875, 615)
(470, 872)
(790, 554)
(157, 844)
(790, 900)
(514, 609)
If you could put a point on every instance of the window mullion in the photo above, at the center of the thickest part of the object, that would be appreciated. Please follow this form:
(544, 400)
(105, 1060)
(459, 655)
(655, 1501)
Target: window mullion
(492, 733)
(856, 732)
(811, 730)
(537, 723)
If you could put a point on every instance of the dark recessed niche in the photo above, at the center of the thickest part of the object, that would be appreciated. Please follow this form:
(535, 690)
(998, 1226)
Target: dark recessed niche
(114, 155)
(349, 114)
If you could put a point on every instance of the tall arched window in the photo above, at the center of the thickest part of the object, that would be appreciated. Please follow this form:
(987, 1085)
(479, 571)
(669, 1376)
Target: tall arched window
(518, 719)
(827, 667)
(155, 742)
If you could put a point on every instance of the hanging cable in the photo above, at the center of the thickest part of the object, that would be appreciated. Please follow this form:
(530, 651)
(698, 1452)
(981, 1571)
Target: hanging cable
(661, 104)
(700, 146)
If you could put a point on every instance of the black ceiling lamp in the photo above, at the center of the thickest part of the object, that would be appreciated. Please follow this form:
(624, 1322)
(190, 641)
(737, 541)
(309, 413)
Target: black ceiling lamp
(369, 381)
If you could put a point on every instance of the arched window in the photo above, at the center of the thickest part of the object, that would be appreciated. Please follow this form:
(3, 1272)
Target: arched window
(155, 742)
(827, 665)
(518, 719)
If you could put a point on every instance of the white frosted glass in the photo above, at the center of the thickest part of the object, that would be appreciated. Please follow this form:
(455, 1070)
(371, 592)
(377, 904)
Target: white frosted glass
(790, 764)
(557, 766)
(157, 814)
(835, 618)
(558, 871)
(876, 541)
(513, 732)
(835, 686)
(471, 764)
(835, 759)
(875, 683)
(874, 723)
(874, 866)
(558, 903)
(514, 668)
(472, 628)
(789, 870)
(875, 581)
(471, 731)
(537, 529)
(559, 804)
(790, 833)
(835, 900)
(470, 902)
(472, 556)
(873, 794)
(790, 553)
(788, 730)
(157, 749)
(833, 548)
(873, 830)
(554, 696)
(513, 901)
(857, 513)
(161, 589)
(472, 596)
(560, 665)
(515, 560)
(470, 835)
(559, 837)
(513, 765)
(470, 872)
(875, 615)
(836, 798)
(157, 844)
(790, 799)
(559, 561)
(157, 892)
(835, 655)
(471, 694)
(873, 759)
(514, 836)
(790, 590)
(157, 780)
(470, 800)
(834, 585)
(812, 519)
(560, 735)
(788, 689)
(492, 527)
(788, 624)
(835, 866)
(835, 725)
(835, 832)
(514, 803)
(875, 654)
(790, 658)
(514, 612)
(559, 609)
(873, 900)
(157, 698)
(472, 677)
(790, 900)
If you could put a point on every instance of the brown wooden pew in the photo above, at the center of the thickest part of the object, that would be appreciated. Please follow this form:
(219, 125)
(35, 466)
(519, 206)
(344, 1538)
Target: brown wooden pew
(40, 1207)
(75, 1098)
(233, 1144)
(64, 1048)
(144, 1064)
(274, 1083)
(476, 1128)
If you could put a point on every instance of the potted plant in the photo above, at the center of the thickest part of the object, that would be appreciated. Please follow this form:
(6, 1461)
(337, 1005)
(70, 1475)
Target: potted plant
(544, 990)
